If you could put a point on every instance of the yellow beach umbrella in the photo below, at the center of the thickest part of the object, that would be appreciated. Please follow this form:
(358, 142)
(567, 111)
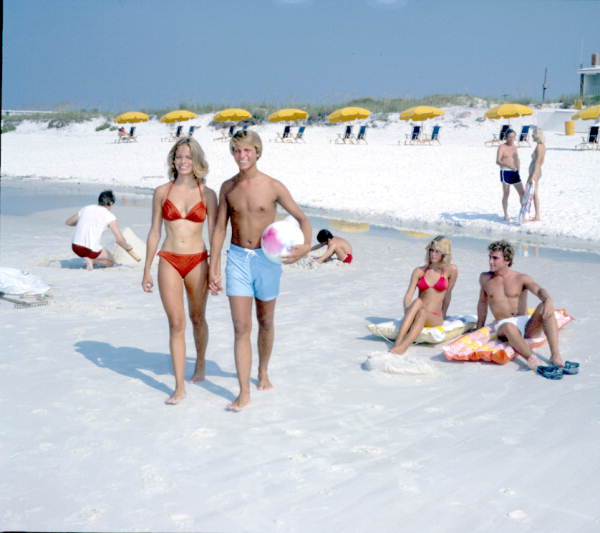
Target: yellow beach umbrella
(590, 113)
(346, 114)
(288, 114)
(232, 115)
(179, 115)
(421, 112)
(131, 117)
(508, 111)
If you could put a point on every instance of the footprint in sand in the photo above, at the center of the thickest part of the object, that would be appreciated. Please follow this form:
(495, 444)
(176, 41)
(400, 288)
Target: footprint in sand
(507, 492)
(518, 514)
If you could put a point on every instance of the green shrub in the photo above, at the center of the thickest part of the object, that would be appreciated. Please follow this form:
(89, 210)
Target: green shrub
(8, 127)
(105, 125)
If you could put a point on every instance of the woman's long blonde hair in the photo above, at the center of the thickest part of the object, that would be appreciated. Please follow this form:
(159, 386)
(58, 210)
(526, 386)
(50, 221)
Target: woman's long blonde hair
(199, 163)
(442, 244)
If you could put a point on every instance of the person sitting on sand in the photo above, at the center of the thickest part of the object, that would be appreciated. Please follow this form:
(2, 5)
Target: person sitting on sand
(535, 170)
(90, 223)
(335, 245)
(435, 281)
(505, 291)
(121, 132)
(182, 205)
(249, 200)
(507, 158)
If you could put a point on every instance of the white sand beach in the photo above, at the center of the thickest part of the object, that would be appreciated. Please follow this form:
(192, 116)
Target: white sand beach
(87, 443)
(453, 187)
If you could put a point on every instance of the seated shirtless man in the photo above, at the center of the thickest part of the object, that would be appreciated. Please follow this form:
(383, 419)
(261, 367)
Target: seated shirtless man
(335, 245)
(505, 291)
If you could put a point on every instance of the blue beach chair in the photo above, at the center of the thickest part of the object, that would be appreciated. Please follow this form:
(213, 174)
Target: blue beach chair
(345, 138)
(435, 136)
(501, 137)
(299, 137)
(414, 136)
(361, 137)
(524, 136)
(591, 142)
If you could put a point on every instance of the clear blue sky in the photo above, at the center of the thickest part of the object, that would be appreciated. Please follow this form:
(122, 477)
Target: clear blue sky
(128, 54)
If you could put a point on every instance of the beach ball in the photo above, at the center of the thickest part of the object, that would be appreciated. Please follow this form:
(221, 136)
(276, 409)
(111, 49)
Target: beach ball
(279, 237)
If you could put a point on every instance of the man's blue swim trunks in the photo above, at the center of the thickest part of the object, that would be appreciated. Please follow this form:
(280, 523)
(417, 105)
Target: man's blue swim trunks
(250, 273)
(510, 177)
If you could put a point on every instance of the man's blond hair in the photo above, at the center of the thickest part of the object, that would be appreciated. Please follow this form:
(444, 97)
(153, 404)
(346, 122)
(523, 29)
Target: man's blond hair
(248, 138)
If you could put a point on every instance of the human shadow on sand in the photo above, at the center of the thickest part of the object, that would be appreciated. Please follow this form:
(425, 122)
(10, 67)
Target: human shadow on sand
(133, 362)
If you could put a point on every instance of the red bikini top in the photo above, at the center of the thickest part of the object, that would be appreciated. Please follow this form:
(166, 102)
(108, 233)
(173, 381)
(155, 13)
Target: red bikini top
(195, 214)
(440, 285)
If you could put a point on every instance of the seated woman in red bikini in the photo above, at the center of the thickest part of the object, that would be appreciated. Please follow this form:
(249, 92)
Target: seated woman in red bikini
(435, 282)
(182, 205)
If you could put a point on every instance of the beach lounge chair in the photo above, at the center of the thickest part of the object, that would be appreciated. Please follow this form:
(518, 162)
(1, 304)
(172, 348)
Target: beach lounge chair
(299, 137)
(414, 137)
(174, 136)
(435, 136)
(285, 136)
(524, 136)
(345, 138)
(499, 139)
(361, 137)
(591, 141)
(226, 136)
(191, 131)
(128, 137)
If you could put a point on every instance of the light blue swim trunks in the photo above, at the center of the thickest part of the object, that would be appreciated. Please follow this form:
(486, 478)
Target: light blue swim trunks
(250, 273)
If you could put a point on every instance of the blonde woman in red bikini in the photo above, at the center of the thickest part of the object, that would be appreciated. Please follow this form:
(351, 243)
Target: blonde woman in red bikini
(435, 281)
(182, 205)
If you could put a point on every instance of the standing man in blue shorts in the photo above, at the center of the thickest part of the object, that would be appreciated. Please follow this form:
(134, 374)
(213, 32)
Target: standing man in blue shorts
(507, 158)
(249, 200)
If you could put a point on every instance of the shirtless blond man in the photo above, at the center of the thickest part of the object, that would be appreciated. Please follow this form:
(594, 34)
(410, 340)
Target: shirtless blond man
(505, 292)
(507, 158)
(249, 200)
(335, 245)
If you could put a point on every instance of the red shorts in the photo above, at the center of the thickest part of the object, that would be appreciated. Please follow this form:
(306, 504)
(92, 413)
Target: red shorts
(347, 259)
(82, 251)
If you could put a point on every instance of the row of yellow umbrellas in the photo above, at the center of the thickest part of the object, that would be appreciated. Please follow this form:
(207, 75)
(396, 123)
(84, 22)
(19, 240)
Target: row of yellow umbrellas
(346, 114)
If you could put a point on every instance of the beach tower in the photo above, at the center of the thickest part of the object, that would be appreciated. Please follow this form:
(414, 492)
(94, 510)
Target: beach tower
(589, 78)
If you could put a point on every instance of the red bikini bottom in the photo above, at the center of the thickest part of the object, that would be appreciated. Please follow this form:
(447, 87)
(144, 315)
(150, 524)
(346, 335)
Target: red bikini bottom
(183, 263)
(82, 251)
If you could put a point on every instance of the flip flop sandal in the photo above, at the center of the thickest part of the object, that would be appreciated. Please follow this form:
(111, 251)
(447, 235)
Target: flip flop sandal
(571, 368)
(550, 372)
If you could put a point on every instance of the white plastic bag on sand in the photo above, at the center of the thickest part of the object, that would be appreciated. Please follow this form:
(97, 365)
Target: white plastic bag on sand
(17, 282)
(406, 365)
(139, 247)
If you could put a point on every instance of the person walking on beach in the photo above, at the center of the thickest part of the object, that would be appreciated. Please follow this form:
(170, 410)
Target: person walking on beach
(505, 292)
(249, 200)
(182, 205)
(535, 170)
(335, 245)
(507, 158)
(435, 281)
(90, 223)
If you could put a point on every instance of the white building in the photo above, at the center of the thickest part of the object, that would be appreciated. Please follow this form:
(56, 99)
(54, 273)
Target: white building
(589, 84)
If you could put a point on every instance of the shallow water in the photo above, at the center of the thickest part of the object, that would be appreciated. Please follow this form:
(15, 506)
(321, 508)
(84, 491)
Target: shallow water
(26, 196)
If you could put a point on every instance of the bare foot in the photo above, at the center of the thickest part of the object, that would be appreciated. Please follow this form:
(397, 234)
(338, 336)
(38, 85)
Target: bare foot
(264, 383)
(240, 402)
(533, 362)
(175, 398)
(397, 351)
(557, 361)
(506, 218)
(198, 373)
